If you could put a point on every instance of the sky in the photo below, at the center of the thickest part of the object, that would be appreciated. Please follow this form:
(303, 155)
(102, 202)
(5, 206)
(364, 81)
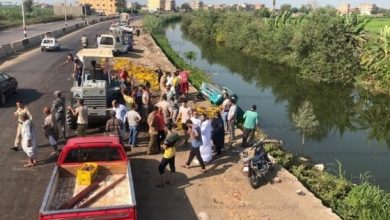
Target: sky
(268, 3)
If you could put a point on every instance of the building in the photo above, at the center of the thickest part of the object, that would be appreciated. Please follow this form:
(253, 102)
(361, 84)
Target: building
(156, 5)
(368, 9)
(71, 10)
(107, 7)
(170, 5)
(196, 5)
(259, 6)
(346, 9)
(42, 5)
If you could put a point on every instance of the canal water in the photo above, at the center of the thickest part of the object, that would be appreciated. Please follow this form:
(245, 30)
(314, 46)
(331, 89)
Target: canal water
(354, 126)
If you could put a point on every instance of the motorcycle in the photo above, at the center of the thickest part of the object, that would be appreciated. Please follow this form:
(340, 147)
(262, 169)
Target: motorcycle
(84, 42)
(257, 166)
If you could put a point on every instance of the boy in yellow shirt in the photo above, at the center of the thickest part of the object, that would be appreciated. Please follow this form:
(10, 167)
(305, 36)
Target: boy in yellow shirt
(168, 156)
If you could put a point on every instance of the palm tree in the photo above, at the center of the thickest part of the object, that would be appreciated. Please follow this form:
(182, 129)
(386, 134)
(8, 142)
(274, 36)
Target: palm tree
(190, 56)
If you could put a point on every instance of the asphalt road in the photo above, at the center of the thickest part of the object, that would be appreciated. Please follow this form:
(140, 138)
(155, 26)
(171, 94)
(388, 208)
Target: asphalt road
(39, 75)
(14, 34)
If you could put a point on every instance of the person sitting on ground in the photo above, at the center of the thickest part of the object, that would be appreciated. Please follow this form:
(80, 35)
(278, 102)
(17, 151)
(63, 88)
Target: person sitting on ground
(168, 156)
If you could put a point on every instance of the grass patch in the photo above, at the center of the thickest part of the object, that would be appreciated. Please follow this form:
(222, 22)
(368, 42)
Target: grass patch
(11, 16)
(376, 24)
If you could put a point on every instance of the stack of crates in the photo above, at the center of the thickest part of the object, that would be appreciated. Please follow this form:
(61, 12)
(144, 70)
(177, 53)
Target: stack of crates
(87, 173)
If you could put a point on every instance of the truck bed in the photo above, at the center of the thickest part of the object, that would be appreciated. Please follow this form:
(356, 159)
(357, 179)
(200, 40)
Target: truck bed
(65, 187)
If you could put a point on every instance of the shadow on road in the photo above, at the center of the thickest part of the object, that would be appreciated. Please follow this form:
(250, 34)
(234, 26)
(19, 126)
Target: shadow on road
(170, 202)
(132, 55)
(25, 95)
(137, 51)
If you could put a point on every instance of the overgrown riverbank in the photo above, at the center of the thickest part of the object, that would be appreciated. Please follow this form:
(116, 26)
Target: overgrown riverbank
(325, 47)
(350, 201)
(156, 26)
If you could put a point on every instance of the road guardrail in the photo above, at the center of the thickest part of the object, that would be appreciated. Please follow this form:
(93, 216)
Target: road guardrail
(34, 41)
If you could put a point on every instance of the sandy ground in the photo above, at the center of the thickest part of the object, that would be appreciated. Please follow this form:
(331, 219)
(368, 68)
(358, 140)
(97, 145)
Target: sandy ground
(221, 193)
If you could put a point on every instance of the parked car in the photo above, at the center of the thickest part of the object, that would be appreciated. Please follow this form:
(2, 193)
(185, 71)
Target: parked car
(50, 43)
(8, 86)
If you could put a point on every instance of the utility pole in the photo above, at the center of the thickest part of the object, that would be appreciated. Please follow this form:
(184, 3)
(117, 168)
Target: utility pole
(85, 12)
(24, 21)
(66, 18)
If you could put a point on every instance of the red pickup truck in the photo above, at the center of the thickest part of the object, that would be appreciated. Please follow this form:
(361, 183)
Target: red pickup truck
(117, 202)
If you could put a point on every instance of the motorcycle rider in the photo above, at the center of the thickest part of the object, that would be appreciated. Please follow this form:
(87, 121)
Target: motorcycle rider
(84, 41)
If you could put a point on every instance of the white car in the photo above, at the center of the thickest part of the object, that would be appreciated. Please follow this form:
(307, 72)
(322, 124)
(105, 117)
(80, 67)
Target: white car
(50, 43)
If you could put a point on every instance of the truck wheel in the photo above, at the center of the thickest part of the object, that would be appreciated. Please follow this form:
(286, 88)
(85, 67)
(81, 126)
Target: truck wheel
(16, 89)
(2, 98)
(42, 49)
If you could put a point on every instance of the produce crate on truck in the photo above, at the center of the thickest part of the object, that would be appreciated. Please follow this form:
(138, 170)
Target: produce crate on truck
(87, 173)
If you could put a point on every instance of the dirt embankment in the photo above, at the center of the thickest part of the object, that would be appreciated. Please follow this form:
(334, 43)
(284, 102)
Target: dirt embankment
(221, 193)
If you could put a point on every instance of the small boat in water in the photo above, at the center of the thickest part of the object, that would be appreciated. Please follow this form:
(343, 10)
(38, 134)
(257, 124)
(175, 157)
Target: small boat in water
(215, 92)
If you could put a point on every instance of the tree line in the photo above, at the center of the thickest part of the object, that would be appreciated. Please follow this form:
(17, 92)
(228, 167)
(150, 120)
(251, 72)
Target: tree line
(324, 46)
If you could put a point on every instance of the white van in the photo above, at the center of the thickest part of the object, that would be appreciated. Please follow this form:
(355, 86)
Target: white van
(50, 43)
(113, 42)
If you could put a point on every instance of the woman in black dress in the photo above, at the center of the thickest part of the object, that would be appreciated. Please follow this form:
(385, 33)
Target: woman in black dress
(218, 133)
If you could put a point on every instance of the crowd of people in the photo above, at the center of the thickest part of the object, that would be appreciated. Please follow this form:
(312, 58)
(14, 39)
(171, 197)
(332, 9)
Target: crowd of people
(162, 120)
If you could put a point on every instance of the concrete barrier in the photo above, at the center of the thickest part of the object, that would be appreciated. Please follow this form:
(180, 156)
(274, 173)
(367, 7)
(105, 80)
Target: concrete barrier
(5, 50)
(21, 45)
(17, 46)
(34, 41)
(57, 33)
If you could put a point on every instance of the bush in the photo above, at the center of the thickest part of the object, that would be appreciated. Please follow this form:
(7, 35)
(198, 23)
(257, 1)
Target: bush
(366, 202)
(320, 45)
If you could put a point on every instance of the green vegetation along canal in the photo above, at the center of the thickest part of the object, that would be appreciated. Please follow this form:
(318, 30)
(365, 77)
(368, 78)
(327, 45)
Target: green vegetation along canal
(354, 125)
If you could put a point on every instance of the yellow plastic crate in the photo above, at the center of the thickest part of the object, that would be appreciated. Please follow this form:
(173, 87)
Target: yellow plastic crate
(87, 173)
